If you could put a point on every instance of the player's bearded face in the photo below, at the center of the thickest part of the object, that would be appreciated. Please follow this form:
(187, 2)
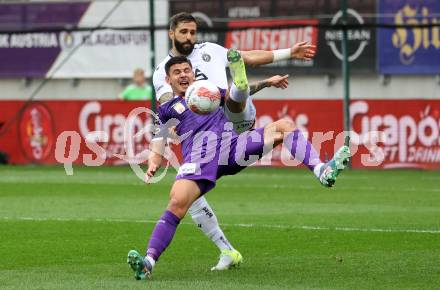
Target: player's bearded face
(184, 48)
(184, 37)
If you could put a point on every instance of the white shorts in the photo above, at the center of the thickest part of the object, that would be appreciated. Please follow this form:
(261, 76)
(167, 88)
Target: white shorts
(245, 120)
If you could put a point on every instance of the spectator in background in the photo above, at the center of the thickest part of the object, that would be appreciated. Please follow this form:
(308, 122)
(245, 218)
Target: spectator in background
(138, 90)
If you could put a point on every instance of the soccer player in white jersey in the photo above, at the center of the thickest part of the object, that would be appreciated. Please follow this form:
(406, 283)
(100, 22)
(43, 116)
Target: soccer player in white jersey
(209, 61)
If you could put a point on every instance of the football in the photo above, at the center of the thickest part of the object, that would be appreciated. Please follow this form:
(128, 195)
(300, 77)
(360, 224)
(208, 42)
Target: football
(203, 97)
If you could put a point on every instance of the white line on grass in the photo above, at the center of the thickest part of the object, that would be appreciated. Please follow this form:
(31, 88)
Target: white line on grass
(314, 187)
(293, 227)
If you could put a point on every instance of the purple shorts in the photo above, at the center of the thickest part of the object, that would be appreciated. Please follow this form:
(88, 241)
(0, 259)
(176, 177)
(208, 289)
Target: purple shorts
(244, 149)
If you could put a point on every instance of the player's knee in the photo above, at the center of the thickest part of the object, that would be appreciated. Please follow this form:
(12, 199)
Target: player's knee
(286, 125)
(282, 127)
(177, 205)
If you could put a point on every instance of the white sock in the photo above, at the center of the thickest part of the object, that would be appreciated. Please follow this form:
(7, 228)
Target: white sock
(317, 169)
(239, 96)
(151, 260)
(204, 217)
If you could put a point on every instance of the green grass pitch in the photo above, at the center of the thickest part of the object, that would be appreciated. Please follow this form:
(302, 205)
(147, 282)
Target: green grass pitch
(373, 230)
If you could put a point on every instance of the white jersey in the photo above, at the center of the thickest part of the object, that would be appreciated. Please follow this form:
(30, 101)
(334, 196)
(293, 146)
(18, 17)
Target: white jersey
(209, 62)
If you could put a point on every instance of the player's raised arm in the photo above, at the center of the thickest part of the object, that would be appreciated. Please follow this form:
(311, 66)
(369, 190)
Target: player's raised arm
(276, 81)
(301, 50)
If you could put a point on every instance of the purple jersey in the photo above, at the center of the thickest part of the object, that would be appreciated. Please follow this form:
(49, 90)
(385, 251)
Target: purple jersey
(210, 146)
(192, 127)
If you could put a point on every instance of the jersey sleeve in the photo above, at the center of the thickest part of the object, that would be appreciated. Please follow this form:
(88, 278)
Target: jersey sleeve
(219, 52)
(164, 122)
(160, 131)
(160, 85)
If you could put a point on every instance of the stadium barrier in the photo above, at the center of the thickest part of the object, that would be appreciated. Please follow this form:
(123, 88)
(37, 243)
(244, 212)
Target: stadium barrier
(50, 132)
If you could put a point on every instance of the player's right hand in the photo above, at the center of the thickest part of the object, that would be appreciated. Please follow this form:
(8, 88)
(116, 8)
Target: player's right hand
(303, 50)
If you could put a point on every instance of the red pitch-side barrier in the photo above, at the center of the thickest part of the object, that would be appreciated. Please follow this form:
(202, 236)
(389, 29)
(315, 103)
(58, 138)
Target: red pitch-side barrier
(409, 131)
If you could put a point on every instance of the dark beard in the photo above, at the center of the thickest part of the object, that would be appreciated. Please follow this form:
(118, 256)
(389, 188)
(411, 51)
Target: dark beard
(181, 49)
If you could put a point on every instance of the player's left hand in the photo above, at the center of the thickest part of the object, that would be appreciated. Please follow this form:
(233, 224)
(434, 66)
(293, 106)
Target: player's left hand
(278, 81)
(303, 50)
(152, 168)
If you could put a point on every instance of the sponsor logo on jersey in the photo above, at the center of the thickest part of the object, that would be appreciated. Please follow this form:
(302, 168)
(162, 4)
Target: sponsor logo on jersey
(179, 108)
(206, 57)
(187, 168)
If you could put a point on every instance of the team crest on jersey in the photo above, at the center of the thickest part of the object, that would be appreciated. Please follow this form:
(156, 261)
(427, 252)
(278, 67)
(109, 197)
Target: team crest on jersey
(206, 57)
(179, 108)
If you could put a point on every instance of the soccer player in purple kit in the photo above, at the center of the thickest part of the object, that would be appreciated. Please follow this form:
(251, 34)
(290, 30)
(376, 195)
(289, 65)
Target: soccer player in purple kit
(209, 62)
(212, 149)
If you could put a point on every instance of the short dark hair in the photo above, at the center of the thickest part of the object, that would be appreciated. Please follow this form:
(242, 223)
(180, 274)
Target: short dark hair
(181, 17)
(176, 60)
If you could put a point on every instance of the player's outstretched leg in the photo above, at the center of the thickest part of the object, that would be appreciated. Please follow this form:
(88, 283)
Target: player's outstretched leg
(183, 193)
(331, 170)
(238, 69)
(161, 237)
(228, 259)
(302, 150)
(205, 218)
(141, 266)
(239, 107)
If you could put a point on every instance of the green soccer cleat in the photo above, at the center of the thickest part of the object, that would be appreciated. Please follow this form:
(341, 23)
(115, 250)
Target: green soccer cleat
(331, 170)
(142, 268)
(228, 259)
(238, 69)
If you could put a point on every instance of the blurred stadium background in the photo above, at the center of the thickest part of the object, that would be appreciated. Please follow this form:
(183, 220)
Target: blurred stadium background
(64, 64)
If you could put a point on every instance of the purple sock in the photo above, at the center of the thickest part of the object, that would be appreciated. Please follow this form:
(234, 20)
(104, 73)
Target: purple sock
(301, 149)
(162, 234)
